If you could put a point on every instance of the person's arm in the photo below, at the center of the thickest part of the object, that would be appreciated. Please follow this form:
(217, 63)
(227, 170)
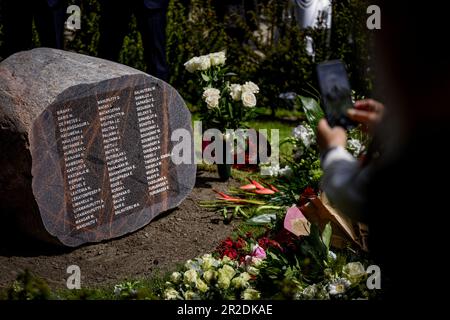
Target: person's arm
(343, 181)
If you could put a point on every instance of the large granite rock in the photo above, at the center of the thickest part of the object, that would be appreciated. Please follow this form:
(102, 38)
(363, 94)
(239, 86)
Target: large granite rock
(85, 146)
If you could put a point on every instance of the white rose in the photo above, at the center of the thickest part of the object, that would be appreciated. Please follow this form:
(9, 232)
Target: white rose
(189, 264)
(235, 91)
(190, 295)
(248, 99)
(211, 97)
(192, 65)
(208, 262)
(171, 294)
(190, 276)
(202, 286)
(227, 271)
(253, 271)
(226, 260)
(210, 275)
(250, 294)
(354, 271)
(175, 277)
(204, 63)
(241, 282)
(217, 58)
(250, 87)
(223, 282)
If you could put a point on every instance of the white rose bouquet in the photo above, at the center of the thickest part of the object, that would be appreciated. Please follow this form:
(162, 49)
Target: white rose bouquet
(226, 105)
(210, 278)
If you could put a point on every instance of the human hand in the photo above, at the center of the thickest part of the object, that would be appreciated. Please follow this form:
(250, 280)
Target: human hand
(368, 112)
(328, 137)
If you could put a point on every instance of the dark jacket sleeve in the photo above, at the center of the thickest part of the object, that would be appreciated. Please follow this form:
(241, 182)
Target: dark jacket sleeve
(345, 184)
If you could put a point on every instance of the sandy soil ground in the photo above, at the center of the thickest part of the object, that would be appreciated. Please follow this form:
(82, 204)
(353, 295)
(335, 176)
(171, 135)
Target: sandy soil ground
(172, 238)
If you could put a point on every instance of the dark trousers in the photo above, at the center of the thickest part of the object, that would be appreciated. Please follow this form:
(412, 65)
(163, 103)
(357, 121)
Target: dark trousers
(114, 21)
(17, 17)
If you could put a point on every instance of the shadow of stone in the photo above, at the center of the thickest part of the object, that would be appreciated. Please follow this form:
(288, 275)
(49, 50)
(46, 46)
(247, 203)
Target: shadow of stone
(204, 182)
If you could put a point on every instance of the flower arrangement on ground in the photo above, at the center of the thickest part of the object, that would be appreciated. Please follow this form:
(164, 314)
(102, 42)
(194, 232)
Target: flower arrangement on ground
(213, 278)
(245, 267)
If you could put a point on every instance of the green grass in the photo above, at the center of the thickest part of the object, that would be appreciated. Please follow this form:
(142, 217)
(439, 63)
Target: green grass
(280, 113)
(285, 131)
(284, 127)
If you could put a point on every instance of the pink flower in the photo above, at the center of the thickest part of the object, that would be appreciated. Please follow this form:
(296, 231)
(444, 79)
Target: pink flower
(258, 252)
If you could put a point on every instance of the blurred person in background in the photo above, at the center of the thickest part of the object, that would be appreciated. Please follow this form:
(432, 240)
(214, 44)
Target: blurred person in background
(401, 193)
(17, 16)
(231, 13)
(151, 17)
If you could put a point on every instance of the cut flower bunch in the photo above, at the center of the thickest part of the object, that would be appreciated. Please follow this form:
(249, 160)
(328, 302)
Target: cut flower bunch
(227, 105)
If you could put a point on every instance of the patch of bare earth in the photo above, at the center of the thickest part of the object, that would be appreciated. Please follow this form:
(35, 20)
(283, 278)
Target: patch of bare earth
(181, 234)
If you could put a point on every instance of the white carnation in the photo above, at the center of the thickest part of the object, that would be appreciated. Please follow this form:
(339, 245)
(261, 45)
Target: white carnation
(272, 170)
(235, 91)
(305, 134)
(248, 99)
(250, 87)
(217, 58)
(355, 146)
(285, 172)
(211, 97)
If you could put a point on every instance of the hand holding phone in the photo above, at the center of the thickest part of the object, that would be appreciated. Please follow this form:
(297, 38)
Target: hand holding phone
(336, 93)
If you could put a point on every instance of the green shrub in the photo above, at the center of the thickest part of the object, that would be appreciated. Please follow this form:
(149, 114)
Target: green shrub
(276, 61)
(29, 287)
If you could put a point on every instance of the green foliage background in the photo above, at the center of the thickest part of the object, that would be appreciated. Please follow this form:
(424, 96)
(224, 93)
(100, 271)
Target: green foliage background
(277, 63)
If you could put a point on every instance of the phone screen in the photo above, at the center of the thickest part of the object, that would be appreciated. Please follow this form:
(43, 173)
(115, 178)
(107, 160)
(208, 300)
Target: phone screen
(336, 93)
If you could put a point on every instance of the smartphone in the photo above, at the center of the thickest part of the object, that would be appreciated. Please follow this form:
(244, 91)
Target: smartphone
(336, 93)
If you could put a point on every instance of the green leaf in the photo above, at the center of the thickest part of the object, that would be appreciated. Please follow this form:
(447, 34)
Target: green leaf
(312, 110)
(273, 256)
(205, 77)
(313, 245)
(326, 235)
(262, 219)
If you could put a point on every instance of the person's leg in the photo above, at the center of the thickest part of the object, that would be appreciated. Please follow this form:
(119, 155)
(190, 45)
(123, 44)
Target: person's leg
(114, 20)
(49, 21)
(152, 25)
(17, 22)
(250, 8)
